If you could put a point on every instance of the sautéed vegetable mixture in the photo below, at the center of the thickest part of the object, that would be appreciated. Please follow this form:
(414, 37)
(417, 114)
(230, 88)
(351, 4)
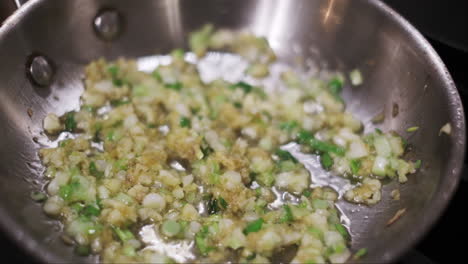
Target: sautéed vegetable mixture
(164, 167)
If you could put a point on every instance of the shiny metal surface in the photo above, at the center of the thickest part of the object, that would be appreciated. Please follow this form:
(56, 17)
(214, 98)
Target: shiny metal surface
(108, 24)
(40, 70)
(399, 67)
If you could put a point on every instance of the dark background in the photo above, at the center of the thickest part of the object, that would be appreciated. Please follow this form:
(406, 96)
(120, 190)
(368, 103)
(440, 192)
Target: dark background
(445, 24)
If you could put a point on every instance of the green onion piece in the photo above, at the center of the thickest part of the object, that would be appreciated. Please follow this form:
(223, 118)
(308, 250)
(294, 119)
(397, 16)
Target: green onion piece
(405, 143)
(88, 108)
(237, 105)
(129, 251)
(204, 231)
(326, 160)
(113, 70)
(251, 256)
(201, 241)
(124, 198)
(265, 179)
(253, 176)
(202, 244)
(121, 164)
(304, 137)
(38, 196)
(63, 143)
(183, 225)
(418, 164)
(254, 226)
(259, 92)
(329, 251)
(223, 202)
(316, 232)
(260, 206)
(339, 248)
(99, 202)
(124, 235)
(117, 123)
(117, 82)
(90, 210)
(378, 131)
(285, 155)
(170, 228)
(82, 250)
(140, 90)
(185, 122)
(412, 129)
(119, 102)
(288, 216)
(200, 40)
(156, 75)
(110, 135)
(355, 165)
(307, 193)
(360, 253)
(66, 191)
(195, 110)
(178, 53)
(342, 230)
(215, 173)
(310, 262)
(75, 171)
(323, 146)
(177, 86)
(319, 204)
(247, 88)
(289, 126)
(206, 151)
(335, 85)
(258, 192)
(286, 165)
(97, 127)
(214, 178)
(70, 123)
(94, 171)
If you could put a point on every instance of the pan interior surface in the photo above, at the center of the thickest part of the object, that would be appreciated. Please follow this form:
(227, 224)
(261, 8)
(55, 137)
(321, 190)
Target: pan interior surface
(400, 69)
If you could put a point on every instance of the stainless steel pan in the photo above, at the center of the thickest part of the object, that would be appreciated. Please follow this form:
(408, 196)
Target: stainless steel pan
(400, 67)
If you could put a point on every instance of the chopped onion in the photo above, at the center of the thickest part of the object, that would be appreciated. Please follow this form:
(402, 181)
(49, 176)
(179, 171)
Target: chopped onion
(52, 124)
(170, 228)
(382, 146)
(356, 77)
(155, 201)
(357, 149)
(380, 165)
(447, 129)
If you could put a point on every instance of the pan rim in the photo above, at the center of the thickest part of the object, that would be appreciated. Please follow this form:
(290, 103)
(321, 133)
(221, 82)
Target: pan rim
(457, 121)
(453, 170)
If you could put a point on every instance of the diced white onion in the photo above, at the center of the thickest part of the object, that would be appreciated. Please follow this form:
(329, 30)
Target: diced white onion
(447, 129)
(154, 201)
(355, 77)
(380, 165)
(357, 149)
(52, 124)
